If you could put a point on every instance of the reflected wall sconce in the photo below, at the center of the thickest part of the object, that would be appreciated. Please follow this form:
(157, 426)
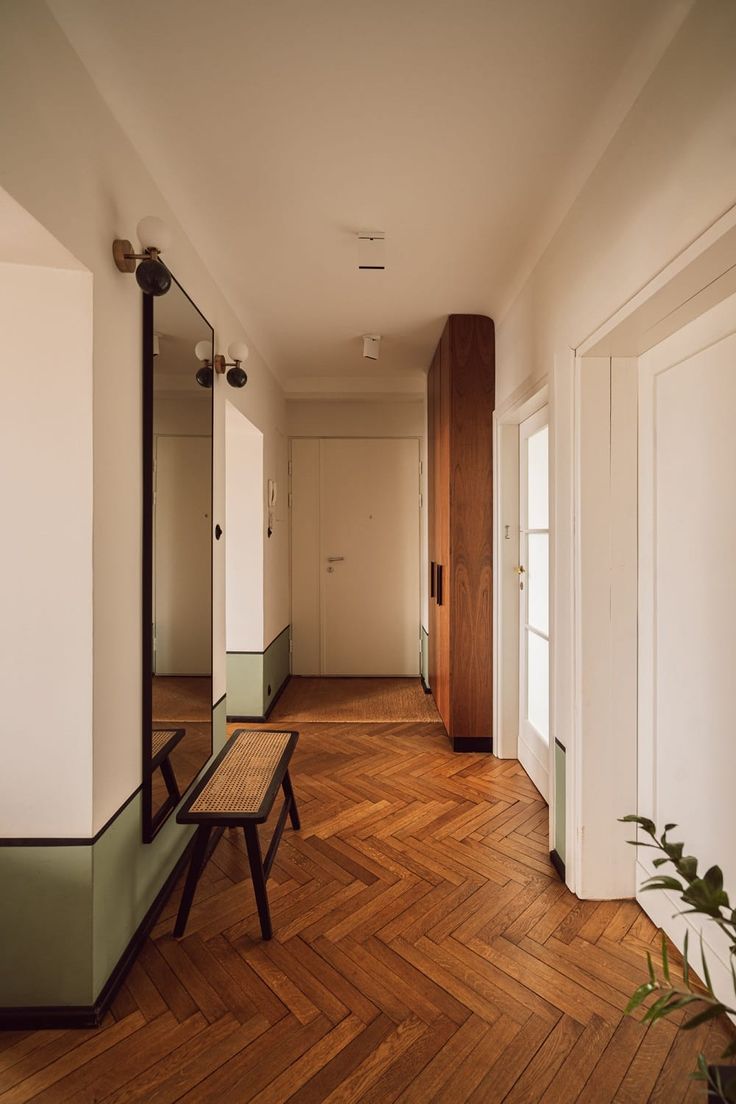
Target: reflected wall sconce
(151, 273)
(205, 374)
(236, 376)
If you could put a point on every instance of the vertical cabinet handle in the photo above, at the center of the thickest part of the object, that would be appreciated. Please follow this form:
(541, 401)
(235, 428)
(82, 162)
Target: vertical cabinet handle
(432, 566)
(440, 573)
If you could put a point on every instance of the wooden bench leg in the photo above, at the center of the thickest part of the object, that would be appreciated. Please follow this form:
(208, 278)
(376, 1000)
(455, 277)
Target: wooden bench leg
(258, 875)
(289, 795)
(170, 779)
(199, 856)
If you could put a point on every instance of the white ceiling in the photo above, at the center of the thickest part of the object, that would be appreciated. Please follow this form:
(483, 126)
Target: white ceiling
(279, 128)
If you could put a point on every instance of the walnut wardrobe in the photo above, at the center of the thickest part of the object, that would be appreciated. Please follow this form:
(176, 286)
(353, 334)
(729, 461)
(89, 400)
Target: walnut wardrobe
(460, 403)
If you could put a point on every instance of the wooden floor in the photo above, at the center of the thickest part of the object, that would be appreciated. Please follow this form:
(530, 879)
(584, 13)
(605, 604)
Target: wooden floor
(425, 951)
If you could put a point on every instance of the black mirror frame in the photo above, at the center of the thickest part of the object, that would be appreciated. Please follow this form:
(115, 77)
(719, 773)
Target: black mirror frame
(152, 823)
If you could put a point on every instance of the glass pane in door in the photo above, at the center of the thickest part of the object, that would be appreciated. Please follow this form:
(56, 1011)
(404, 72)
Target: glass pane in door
(538, 480)
(538, 683)
(538, 582)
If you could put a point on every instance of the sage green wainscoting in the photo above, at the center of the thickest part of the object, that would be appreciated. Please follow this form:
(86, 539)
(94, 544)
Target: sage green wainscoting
(425, 656)
(559, 842)
(249, 675)
(69, 912)
(46, 925)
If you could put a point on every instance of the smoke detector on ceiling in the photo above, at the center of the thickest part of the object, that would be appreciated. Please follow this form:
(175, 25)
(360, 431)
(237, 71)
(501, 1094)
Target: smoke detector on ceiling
(371, 346)
(371, 249)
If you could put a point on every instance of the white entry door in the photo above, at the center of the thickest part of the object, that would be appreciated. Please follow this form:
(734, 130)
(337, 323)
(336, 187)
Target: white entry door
(182, 556)
(533, 573)
(355, 556)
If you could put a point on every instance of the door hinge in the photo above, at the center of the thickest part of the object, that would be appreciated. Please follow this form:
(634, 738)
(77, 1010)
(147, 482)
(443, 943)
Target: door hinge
(421, 467)
(291, 646)
(290, 499)
(421, 501)
(291, 468)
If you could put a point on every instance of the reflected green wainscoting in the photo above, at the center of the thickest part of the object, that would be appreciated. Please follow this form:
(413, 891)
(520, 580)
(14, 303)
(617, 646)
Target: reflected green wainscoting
(425, 656)
(254, 679)
(70, 911)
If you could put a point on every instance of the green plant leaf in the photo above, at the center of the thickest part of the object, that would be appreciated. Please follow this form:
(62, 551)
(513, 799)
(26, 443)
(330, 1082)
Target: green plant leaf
(686, 963)
(688, 866)
(708, 1013)
(665, 960)
(650, 967)
(647, 825)
(658, 1010)
(663, 881)
(706, 971)
(639, 996)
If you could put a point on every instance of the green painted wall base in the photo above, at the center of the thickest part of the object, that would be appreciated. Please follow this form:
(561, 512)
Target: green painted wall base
(69, 912)
(255, 678)
(425, 656)
(560, 798)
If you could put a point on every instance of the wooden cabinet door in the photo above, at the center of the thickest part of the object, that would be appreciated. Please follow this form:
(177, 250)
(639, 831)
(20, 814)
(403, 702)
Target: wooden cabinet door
(442, 509)
(432, 400)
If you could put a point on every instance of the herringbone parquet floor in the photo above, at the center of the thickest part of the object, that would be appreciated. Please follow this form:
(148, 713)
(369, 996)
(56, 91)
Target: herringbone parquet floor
(425, 951)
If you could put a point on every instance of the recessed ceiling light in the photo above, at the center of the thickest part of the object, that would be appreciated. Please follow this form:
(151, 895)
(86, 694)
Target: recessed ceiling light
(371, 346)
(371, 249)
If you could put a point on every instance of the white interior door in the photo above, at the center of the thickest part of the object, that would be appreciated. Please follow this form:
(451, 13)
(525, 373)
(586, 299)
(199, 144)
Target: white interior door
(355, 556)
(534, 598)
(182, 550)
(687, 602)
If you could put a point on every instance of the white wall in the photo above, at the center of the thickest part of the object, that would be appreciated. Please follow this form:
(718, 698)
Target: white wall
(67, 161)
(244, 497)
(46, 576)
(669, 173)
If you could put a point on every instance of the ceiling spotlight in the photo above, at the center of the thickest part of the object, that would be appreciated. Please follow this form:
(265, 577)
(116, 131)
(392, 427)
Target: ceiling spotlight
(371, 346)
(152, 274)
(371, 249)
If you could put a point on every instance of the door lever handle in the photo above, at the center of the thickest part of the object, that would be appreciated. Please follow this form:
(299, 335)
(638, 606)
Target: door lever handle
(335, 559)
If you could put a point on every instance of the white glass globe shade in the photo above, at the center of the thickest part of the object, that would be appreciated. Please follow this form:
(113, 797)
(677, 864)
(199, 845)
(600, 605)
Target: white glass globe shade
(203, 350)
(237, 350)
(153, 233)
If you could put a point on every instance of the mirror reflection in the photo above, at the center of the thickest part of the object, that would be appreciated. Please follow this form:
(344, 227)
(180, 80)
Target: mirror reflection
(179, 733)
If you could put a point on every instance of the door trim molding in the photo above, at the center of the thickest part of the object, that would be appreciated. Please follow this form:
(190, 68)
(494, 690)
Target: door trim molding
(531, 398)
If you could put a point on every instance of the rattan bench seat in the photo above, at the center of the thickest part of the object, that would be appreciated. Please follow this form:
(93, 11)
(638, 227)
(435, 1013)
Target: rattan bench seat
(238, 791)
(243, 781)
(163, 742)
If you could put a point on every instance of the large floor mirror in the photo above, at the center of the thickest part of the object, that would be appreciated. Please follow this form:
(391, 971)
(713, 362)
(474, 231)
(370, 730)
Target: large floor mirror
(177, 552)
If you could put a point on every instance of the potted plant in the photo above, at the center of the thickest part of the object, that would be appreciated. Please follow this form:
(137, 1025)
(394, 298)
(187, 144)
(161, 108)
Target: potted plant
(705, 896)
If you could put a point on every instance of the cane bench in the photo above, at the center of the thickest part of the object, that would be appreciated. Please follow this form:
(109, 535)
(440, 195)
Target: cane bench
(238, 790)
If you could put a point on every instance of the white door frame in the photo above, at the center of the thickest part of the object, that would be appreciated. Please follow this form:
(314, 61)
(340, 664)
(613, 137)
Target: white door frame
(597, 675)
(506, 421)
(539, 766)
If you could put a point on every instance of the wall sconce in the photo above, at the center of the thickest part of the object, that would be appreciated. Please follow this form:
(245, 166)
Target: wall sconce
(236, 376)
(203, 352)
(152, 274)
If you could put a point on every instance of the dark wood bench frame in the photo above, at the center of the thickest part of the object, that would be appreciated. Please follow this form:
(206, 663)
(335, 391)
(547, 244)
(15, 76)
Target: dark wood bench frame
(209, 823)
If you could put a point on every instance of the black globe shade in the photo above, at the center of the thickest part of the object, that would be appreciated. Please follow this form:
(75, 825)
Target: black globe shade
(236, 377)
(204, 376)
(153, 277)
